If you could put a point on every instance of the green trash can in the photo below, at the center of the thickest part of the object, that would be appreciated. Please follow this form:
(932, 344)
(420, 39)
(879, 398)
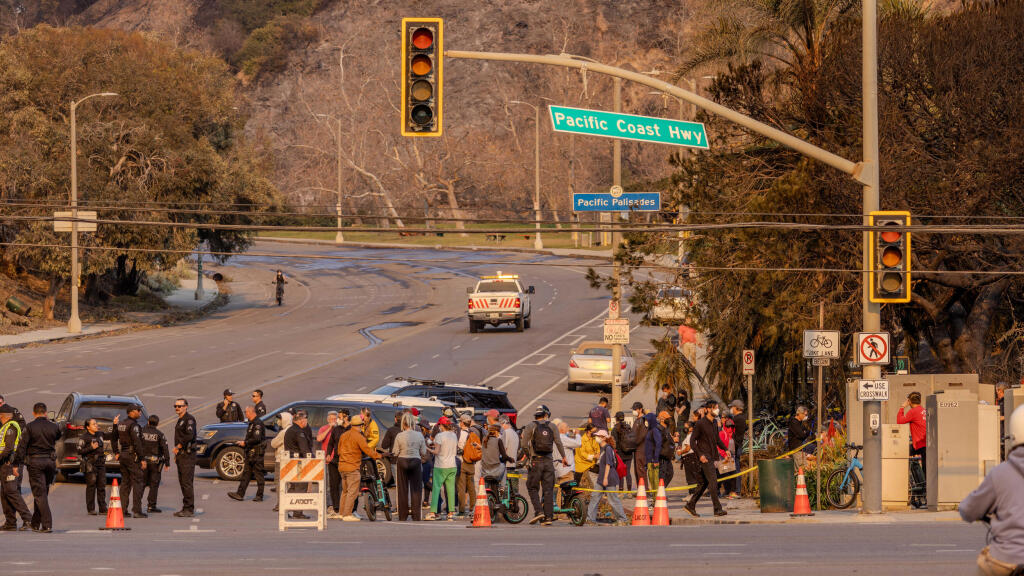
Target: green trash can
(777, 485)
(18, 307)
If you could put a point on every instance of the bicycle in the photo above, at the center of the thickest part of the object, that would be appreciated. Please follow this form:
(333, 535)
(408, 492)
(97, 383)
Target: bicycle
(504, 498)
(576, 510)
(371, 484)
(769, 436)
(918, 486)
(843, 485)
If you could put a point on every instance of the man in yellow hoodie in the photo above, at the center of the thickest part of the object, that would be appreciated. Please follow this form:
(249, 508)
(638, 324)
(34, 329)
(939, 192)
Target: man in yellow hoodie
(370, 429)
(587, 453)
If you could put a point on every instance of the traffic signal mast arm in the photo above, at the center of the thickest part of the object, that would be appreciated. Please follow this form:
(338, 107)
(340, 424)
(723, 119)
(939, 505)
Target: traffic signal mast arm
(854, 169)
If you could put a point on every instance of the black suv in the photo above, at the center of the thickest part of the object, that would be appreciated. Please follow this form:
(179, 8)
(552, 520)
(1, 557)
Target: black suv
(215, 443)
(480, 398)
(75, 411)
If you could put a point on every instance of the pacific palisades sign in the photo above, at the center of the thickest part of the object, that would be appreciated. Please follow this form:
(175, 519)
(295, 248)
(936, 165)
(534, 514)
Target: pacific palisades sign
(628, 127)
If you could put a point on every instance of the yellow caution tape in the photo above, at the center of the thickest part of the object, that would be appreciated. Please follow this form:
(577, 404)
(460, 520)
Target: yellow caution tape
(729, 477)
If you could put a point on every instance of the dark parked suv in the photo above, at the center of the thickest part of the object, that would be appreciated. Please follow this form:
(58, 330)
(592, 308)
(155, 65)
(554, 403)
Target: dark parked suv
(75, 411)
(480, 398)
(216, 448)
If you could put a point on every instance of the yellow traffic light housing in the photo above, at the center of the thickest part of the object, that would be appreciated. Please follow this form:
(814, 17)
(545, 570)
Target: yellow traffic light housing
(889, 250)
(422, 62)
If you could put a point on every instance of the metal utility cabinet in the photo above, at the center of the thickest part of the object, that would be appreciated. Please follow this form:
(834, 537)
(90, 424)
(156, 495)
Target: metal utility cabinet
(953, 463)
(895, 466)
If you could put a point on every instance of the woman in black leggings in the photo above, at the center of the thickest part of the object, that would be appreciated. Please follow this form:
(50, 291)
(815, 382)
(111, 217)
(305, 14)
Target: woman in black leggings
(410, 449)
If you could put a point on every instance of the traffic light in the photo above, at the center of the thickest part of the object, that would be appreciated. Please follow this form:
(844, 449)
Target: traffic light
(890, 257)
(422, 57)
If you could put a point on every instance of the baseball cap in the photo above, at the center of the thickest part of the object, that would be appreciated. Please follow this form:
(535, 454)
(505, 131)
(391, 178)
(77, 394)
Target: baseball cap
(444, 421)
(414, 411)
(466, 418)
(737, 404)
(492, 413)
(601, 434)
(228, 392)
(663, 415)
(6, 409)
(620, 415)
(357, 420)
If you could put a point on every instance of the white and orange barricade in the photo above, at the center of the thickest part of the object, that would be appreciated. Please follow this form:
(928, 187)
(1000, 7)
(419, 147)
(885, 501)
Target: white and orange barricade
(301, 489)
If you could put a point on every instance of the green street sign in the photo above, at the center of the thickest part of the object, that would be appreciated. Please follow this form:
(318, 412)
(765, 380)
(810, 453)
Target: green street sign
(628, 127)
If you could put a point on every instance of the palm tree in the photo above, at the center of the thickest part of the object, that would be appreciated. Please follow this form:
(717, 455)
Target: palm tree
(669, 366)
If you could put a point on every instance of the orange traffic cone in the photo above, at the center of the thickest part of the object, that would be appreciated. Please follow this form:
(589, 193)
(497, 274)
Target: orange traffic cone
(660, 507)
(482, 512)
(115, 518)
(641, 516)
(802, 506)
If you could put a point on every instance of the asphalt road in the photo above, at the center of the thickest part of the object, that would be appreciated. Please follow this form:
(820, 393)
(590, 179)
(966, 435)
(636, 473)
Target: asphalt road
(350, 325)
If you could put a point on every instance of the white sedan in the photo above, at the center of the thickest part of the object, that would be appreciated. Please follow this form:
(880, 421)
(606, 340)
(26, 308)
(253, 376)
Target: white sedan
(590, 364)
(671, 306)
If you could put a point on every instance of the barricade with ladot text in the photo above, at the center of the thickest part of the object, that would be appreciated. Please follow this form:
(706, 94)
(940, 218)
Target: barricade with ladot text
(301, 489)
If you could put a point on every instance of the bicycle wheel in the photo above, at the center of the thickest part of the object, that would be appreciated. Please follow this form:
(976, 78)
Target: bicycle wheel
(387, 505)
(517, 510)
(492, 504)
(370, 506)
(577, 511)
(839, 495)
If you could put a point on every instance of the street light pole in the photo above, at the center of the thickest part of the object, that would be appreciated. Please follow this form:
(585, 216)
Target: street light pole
(871, 311)
(75, 323)
(339, 237)
(537, 243)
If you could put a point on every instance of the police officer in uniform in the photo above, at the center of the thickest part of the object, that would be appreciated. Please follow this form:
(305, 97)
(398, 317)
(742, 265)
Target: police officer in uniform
(185, 457)
(94, 467)
(10, 461)
(157, 457)
(41, 450)
(257, 401)
(22, 425)
(127, 446)
(229, 410)
(253, 445)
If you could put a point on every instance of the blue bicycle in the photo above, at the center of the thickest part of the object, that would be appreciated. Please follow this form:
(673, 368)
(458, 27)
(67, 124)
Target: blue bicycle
(843, 485)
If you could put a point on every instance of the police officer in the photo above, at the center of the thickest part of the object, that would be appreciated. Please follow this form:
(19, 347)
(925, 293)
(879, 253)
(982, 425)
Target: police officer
(94, 467)
(22, 425)
(185, 457)
(257, 402)
(157, 457)
(127, 446)
(253, 445)
(10, 461)
(229, 410)
(41, 451)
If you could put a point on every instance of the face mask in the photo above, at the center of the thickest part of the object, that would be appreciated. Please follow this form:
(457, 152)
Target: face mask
(715, 411)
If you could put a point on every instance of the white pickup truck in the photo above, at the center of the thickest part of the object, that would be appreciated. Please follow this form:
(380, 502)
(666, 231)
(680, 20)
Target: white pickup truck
(497, 300)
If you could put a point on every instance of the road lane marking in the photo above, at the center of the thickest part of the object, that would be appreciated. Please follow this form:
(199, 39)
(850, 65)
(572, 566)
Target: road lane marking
(204, 373)
(517, 544)
(510, 380)
(436, 356)
(456, 347)
(361, 388)
(706, 545)
(389, 377)
(20, 391)
(413, 366)
(541, 349)
(545, 393)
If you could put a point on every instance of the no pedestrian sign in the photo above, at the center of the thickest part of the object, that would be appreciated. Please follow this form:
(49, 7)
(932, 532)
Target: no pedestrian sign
(872, 348)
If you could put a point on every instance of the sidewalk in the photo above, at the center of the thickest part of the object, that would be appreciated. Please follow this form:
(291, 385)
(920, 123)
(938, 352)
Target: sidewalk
(183, 297)
(572, 252)
(746, 511)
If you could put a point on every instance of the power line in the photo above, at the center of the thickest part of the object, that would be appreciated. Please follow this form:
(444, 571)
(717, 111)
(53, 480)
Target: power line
(635, 227)
(370, 258)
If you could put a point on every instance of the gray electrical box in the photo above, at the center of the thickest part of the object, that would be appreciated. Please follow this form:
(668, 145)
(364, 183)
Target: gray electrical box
(953, 462)
(895, 466)
(900, 385)
(1013, 398)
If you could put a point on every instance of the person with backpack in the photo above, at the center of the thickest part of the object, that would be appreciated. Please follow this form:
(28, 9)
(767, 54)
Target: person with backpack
(540, 439)
(608, 467)
(622, 440)
(599, 415)
(471, 450)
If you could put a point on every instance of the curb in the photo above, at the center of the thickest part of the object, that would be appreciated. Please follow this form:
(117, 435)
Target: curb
(823, 520)
(221, 300)
(314, 242)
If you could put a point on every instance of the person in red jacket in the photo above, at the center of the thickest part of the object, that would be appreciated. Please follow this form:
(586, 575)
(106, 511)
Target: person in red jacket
(913, 413)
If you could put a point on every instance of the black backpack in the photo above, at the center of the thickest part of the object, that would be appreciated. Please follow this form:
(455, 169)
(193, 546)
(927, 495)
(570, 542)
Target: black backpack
(543, 439)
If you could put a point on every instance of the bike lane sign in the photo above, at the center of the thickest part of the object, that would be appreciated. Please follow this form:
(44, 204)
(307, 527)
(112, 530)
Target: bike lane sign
(821, 344)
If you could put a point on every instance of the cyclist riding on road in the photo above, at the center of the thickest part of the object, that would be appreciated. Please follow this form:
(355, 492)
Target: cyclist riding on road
(280, 282)
(999, 501)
